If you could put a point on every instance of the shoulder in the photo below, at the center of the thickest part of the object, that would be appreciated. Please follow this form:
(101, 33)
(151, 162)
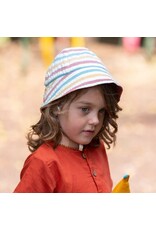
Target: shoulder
(100, 147)
(100, 150)
(45, 153)
(43, 159)
(97, 150)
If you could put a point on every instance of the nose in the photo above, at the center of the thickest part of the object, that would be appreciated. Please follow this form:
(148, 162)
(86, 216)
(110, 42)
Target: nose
(94, 120)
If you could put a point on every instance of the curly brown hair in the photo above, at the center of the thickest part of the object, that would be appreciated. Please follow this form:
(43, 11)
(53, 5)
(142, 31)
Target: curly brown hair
(48, 129)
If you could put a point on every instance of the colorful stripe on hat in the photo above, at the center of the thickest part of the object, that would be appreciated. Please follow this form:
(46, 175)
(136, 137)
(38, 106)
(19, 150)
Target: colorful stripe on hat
(73, 69)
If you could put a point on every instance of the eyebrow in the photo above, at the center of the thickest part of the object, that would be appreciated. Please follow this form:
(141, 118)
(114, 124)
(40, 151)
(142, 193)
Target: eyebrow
(88, 103)
(84, 102)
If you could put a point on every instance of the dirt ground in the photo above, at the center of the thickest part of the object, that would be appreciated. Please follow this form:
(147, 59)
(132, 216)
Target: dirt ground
(21, 90)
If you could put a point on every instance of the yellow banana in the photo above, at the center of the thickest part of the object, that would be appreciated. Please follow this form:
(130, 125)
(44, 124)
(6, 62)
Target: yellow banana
(123, 185)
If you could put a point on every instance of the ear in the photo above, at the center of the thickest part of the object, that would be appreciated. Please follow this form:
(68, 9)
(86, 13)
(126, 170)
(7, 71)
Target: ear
(57, 111)
(58, 108)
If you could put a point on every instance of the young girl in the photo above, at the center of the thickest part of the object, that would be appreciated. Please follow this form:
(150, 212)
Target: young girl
(78, 118)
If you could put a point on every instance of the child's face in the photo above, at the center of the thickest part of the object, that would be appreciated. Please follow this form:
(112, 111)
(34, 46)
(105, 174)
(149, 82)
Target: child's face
(81, 120)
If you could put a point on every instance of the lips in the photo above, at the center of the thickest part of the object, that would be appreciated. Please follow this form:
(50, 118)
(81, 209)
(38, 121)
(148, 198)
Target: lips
(91, 131)
(88, 132)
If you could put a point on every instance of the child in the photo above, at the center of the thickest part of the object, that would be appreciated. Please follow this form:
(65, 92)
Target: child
(78, 116)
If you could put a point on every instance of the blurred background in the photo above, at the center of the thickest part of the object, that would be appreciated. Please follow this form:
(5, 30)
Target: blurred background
(132, 62)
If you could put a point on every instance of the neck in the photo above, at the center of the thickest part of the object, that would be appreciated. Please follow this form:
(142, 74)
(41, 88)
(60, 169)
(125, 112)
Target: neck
(80, 147)
(68, 143)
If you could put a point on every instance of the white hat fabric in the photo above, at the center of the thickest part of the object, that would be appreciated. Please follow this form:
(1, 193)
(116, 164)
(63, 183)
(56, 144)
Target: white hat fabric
(72, 69)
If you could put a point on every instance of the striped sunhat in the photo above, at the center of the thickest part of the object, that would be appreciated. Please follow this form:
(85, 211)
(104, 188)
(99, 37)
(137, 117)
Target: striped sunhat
(72, 69)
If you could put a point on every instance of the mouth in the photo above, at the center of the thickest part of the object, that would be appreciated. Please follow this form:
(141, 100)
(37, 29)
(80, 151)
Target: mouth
(88, 132)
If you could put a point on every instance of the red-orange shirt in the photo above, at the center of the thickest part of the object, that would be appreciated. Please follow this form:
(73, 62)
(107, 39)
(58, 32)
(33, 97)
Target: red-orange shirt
(65, 170)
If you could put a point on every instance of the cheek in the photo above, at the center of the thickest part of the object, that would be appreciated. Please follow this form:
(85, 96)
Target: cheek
(75, 122)
(101, 120)
(69, 121)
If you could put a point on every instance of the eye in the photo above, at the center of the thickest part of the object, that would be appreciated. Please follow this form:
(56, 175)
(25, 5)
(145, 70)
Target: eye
(102, 111)
(85, 110)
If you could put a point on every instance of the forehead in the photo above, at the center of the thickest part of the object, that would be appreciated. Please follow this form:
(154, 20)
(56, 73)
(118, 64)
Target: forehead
(93, 95)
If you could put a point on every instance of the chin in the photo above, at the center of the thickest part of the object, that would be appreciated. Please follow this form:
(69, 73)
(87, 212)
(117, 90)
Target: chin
(84, 142)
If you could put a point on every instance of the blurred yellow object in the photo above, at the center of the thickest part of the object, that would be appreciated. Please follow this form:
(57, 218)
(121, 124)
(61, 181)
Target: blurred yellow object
(122, 186)
(47, 49)
(77, 41)
(50, 46)
(4, 41)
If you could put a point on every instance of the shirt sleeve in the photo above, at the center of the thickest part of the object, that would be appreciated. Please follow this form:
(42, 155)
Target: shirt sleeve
(36, 177)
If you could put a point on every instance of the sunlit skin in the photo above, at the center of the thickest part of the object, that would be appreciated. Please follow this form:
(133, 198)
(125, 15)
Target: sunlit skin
(83, 118)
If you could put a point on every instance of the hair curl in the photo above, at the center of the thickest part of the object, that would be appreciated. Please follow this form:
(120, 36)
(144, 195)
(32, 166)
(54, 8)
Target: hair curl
(47, 128)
